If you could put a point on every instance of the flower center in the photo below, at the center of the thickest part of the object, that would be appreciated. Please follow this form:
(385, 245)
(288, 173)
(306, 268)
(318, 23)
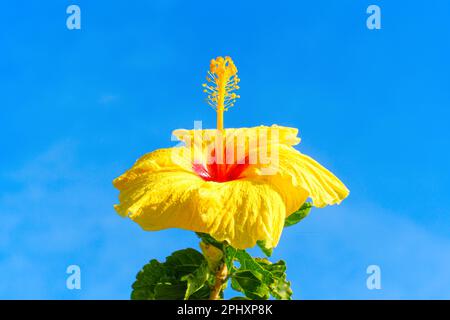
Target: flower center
(220, 171)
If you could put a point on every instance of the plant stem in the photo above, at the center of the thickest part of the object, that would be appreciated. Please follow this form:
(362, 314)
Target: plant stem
(220, 279)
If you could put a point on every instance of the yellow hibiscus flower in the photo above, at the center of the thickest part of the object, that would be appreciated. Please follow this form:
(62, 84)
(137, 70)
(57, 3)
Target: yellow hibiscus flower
(238, 185)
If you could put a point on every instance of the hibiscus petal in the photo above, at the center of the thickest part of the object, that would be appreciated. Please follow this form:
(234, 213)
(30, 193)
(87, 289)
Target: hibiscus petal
(294, 170)
(167, 159)
(241, 212)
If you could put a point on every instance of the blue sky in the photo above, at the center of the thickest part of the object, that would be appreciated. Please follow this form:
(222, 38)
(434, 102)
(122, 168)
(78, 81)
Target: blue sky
(78, 107)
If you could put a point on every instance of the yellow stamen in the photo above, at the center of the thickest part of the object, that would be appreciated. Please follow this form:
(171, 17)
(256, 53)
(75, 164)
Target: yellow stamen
(221, 80)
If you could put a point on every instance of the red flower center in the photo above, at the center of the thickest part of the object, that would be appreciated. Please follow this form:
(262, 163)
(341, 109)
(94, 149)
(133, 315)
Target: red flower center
(221, 171)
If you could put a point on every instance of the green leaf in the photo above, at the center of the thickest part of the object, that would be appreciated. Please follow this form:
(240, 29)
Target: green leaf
(170, 291)
(256, 277)
(195, 280)
(262, 245)
(202, 293)
(147, 279)
(248, 283)
(298, 215)
(249, 263)
(185, 261)
(280, 288)
(230, 255)
(184, 275)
